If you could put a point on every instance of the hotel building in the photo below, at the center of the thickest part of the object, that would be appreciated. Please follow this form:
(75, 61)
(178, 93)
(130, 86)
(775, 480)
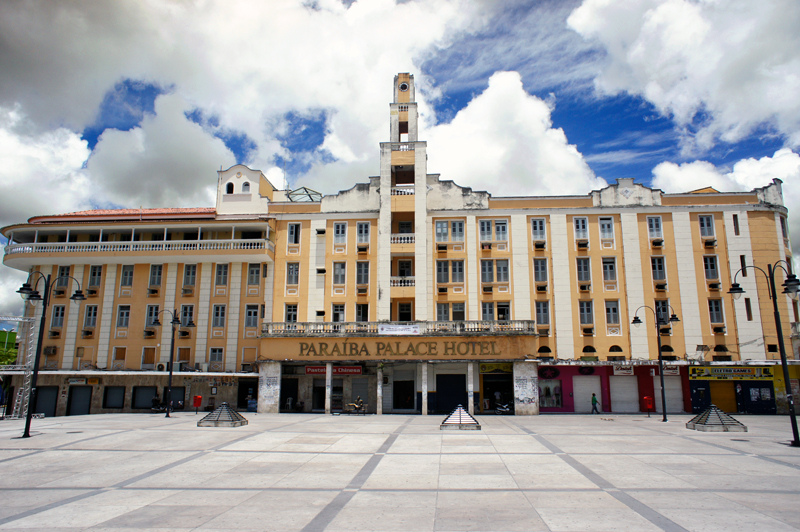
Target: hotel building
(413, 293)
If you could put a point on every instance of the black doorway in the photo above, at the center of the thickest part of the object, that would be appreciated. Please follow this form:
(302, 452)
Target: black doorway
(403, 395)
(46, 400)
(248, 387)
(79, 401)
(494, 384)
(289, 395)
(451, 391)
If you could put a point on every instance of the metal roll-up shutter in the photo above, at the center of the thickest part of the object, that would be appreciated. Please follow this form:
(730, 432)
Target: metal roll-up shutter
(624, 393)
(673, 390)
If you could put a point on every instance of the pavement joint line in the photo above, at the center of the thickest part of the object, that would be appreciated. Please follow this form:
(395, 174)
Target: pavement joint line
(40, 509)
(634, 504)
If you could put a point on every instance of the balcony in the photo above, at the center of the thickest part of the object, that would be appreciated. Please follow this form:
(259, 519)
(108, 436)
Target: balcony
(417, 328)
(402, 238)
(402, 281)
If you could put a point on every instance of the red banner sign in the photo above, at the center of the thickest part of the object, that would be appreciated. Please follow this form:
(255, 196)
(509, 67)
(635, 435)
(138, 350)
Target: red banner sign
(337, 370)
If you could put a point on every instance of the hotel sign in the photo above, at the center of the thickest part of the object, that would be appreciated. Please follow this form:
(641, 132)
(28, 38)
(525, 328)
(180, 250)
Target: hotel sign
(408, 348)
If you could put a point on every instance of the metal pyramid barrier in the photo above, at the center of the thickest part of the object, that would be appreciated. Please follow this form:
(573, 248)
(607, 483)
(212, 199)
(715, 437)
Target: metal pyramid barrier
(715, 420)
(459, 419)
(223, 416)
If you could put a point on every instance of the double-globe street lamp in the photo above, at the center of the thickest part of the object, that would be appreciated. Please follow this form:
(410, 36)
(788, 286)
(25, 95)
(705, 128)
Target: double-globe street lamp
(31, 294)
(175, 323)
(659, 321)
(790, 287)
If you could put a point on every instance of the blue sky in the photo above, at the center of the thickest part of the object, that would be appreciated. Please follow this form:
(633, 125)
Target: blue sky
(129, 104)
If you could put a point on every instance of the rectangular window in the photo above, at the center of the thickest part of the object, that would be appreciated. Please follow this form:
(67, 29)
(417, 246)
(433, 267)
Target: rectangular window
(293, 234)
(291, 313)
(362, 272)
(485, 227)
(253, 274)
(654, 227)
(748, 309)
(502, 271)
(736, 224)
(581, 228)
(537, 229)
(586, 314)
(540, 270)
(710, 267)
(90, 317)
(405, 228)
(219, 316)
(292, 273)
(503, 311)
(215, 354)
(607, 228)
(362, 312)
(784, 231)
(187, 315)
(501, 231)
(155, 274)
(459, 313)
(584, 270)
(404, 268)
(457, 231)
(152, 315)
(95, 275)
(442, 312)
(706, 225)
(457, 269)
(63, 276)
(337, 313)
(221, 279)
(612, 313)
(487, 271)
(189, 274)
(441, 231)
(609, 269)
(123, 315)
(442, 271)
(339, 272)
(251, 316)
(543, 312)
(340, 233)
(715, 310)
(362, 232)
(126, 277)
(487, 311)
(657, 266)
(662, 310)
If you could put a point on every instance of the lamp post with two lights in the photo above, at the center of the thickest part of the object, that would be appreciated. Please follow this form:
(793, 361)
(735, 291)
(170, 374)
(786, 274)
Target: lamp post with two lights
(175, 323)
(791, 285)
(659, 320)
(30, 294)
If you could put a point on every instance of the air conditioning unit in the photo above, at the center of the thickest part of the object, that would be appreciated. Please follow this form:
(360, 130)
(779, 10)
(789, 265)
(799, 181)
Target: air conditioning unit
(588, 331)
(585, 287)
(583, 244)
(50, 350)
(713, 286)
(541, 287)
(710, 243)
(487, 288)
(247, 368)
(87, 333)
(539, 244)
(321, 271)
(362, 290)
(666, 331)
(91, 292)
(149, 333)
(543, 331)
(441, 247)
(152, 292)
(161, 367)
(59, 292)
(320, 313)
(657, 242)
(184, 333)
(55, 333)
(442, 289)
(188, 291)
(719, 330)
(362, 248)
(320, 232)
(661, 287)
(486, 246)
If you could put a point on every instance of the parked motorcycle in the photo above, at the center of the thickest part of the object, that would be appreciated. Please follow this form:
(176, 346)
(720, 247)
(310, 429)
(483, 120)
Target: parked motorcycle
(501, 409)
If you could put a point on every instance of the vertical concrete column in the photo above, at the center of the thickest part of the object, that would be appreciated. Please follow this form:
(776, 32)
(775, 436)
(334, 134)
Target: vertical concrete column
(379, 398)
(526, 388)
(424, 379)
(269, 387)
(328, 386)
(471, 387)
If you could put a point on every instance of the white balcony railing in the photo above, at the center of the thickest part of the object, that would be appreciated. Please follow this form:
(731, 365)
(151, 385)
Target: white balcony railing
(401, 281)
(140, 247)
(403, 191)
(405, 238)
(371, 328)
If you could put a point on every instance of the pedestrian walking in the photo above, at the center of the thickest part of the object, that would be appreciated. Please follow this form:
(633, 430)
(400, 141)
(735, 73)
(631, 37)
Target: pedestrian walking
(594, 405)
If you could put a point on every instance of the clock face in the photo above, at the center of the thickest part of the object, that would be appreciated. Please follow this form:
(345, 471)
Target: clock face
(403, 86)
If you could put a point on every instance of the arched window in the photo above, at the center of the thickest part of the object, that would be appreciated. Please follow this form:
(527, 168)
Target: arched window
(720, 349)
(615, 349)
(589, 349)
(229, 188)
(666, 349)
(245, 187)
(544, 349)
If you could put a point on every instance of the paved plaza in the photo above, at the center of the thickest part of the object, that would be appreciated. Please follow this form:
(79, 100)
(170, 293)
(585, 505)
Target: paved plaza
(395, 472)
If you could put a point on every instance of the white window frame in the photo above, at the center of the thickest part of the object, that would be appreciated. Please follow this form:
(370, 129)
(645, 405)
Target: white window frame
(221, 275)
(540, 270)
(340, 233)
(218, 316)
(187, 315)
(123, 316)
(362, 232)
(442, 311)
(612, 312)
(189, 274)
(458, 308)
(583, 266)
(156, 272)
(706, 223)
(654, 228)
(293, 234)
(441, 229)
(457, 271)
(253, 274)
(539, 233)
(606, 228)
(457, 230)
(90, 316)
(290, 313)
(126, 275)
(251, 316)
(487, 271)
(339, 273)
(485, 230)
(663, 268)
(711, 274)
(583, 306)
(502, 270)
(95, 275)
(151, 315)
(581, 227)
(543, 310)
(609, 273)
(720, 311)
(292, 273)
(442, 271)
(487, 311)
(362, 272)
(216, 354)
(501, 236)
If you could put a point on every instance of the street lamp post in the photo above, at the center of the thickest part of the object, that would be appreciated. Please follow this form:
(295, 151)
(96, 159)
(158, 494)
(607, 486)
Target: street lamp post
(175, 323)
(659, 322)
(31, 294)
(790, 288)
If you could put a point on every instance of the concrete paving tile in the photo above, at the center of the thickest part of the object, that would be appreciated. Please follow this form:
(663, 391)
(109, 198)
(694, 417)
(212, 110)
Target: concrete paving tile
(166, 516)
(70, 516)
(724, 520)
(572, 499)
(408, 464)
(126, 497)
(386, 511)
(591, 519)
(476, 482)
(401, 481)
(214, 497)
(751, 499)
(416, 443)
(536, 464)
(237, 481)
(684, 500)
(572, 480)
